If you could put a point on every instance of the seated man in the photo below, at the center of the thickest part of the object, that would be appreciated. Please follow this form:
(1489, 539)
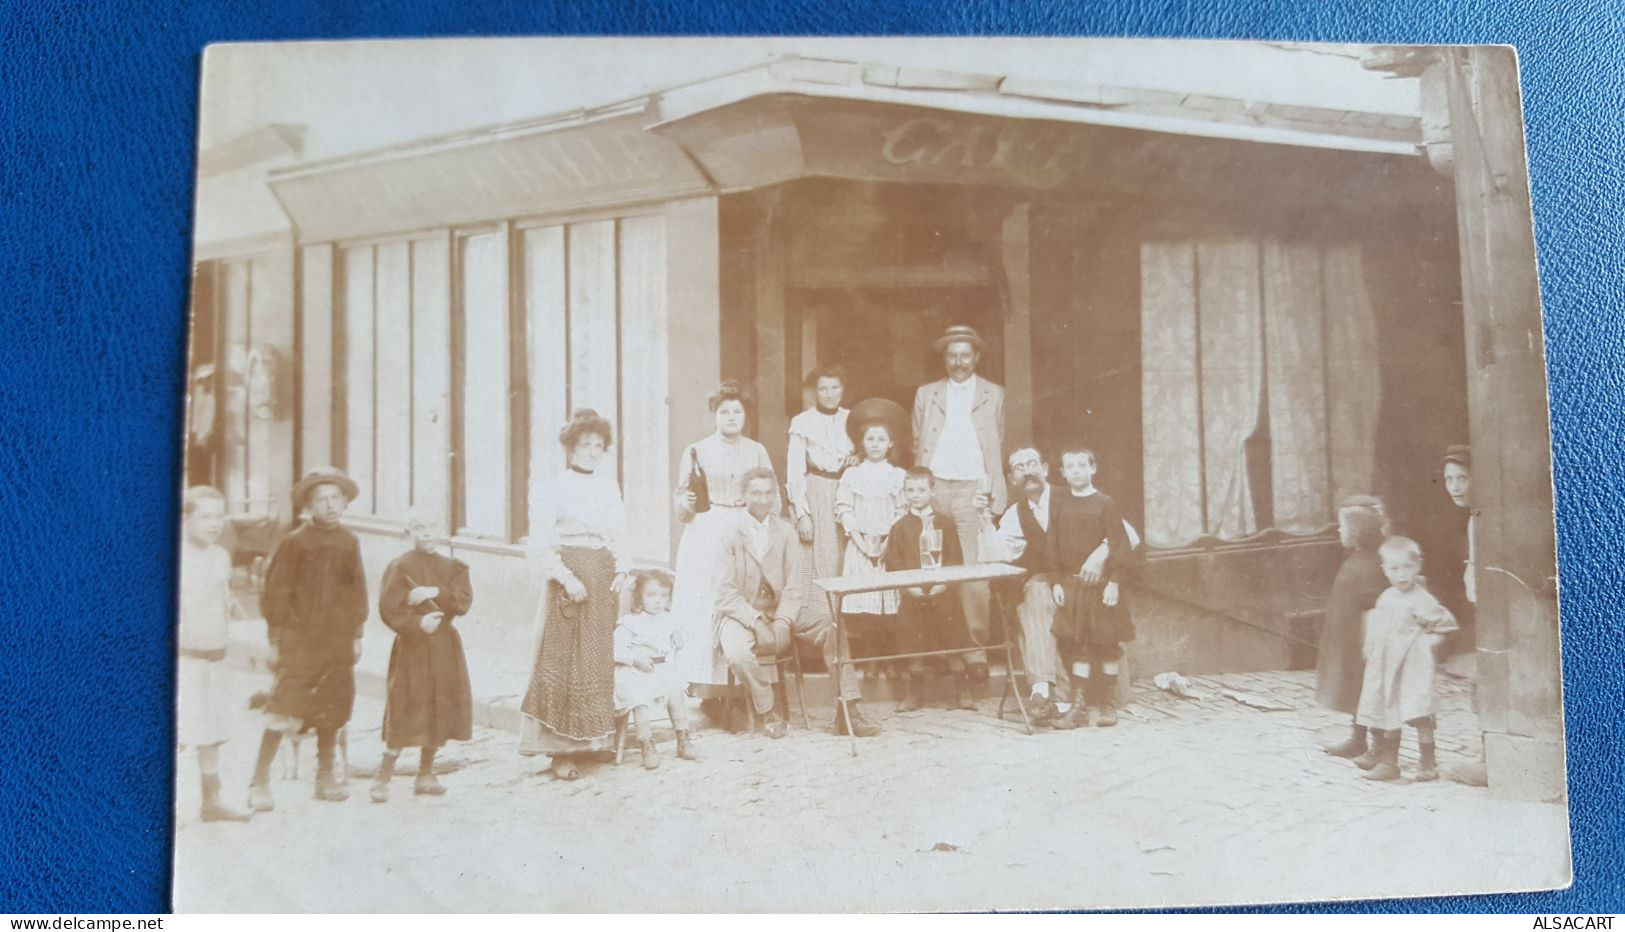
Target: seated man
(1019, 538)
(759, 602)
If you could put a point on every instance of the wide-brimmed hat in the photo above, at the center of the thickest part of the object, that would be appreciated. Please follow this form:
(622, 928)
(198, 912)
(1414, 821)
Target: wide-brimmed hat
(323, 475)
(960, 334)
(1460, 454)
(873, 411)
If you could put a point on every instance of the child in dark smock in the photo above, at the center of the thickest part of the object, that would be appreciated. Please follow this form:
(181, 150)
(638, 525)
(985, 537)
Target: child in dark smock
(1086, 549)
(1340, 658)
(428, 701)
(315, 604)
(927, 618)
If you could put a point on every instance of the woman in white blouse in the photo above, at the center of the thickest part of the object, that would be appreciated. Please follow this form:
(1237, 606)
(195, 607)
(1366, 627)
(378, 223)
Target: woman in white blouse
(710, 499)
(820, 451)
(577, 544)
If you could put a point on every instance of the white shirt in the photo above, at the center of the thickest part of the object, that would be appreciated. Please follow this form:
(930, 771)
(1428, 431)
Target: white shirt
(575, 509)
(759, 536)
(1008, 542)
(819, 440)
(959, 454)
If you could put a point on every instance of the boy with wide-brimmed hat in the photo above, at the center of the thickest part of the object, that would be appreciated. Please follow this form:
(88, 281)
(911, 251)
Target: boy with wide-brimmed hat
(315, 603)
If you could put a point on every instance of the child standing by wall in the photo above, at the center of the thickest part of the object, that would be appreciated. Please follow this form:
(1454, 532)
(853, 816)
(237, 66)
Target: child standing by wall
(203, 719)
(646, 646)
(927, 619)
(315, 603)
(1091, 623)
(868, 501)
(1340, 660)
(428, 699)
(1399, 688)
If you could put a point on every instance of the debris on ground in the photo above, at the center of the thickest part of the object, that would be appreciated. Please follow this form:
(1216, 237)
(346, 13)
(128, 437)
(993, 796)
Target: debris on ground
(1176, 684)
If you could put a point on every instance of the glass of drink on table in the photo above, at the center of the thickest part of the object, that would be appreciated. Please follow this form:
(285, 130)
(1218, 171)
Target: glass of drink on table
(930, 549)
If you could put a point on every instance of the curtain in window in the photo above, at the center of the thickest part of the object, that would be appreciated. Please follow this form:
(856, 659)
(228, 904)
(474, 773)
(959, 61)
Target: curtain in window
(1170, 414)
(1352, 378)
(1295, 360)
(1227, 301)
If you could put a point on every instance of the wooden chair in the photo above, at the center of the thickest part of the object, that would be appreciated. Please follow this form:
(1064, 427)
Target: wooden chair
(738, 694)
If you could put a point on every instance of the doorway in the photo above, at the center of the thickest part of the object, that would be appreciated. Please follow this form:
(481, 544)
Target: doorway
(883, 336)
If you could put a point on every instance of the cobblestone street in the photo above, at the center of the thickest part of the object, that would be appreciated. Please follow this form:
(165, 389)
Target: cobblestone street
(1187, 801)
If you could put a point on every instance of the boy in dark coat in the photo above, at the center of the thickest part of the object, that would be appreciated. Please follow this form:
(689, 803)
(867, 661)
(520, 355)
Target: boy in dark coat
(1091, 622)
(927, 619)
(1340, 661)
(315, 603)
(429, 701)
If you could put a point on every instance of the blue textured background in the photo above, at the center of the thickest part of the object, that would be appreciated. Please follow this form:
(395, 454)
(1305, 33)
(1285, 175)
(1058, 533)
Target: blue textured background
(97, 128)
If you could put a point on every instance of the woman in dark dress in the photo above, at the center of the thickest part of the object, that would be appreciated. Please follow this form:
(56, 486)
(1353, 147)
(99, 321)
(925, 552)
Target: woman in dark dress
(428, 701)
(578, 544)
(1340, 663)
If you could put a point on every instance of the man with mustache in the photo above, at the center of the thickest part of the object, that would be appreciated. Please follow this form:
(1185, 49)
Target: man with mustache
(958, 435)
(1019, 538)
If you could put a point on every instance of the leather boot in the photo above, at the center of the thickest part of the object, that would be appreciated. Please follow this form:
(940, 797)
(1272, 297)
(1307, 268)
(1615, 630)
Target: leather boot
(213, 809)
(1373, 753)
(379, 793)
(1105, 699)
(1387, 768)
(1353, 747)
(860, 726)
(962, 696)
(259, 788)
(685, 748)
(913, 689)
(1075, 717)
(328, 789)
(1427, 769)
(646, 747)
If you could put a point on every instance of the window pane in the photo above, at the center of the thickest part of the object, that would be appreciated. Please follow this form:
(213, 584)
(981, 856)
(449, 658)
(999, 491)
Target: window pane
(431, 377)
(358, 350)
(234, 424)
(646, 418)
(1227, 302)
(1296, 363)
(545, 312)
(593, 382)
(485, 384)
(1169, 393)
(393, 470)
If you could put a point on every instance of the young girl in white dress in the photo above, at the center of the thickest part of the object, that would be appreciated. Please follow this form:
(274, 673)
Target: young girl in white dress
(646, 671)
(868, 501)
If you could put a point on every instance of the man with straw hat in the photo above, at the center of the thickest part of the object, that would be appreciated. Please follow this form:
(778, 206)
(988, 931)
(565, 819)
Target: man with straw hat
(959, 436)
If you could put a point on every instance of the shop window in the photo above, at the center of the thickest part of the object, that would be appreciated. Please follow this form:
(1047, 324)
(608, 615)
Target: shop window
(485, 412)
(1259, 387)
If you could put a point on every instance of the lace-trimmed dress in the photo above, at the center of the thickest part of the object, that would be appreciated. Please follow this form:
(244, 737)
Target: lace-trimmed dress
(869, 500)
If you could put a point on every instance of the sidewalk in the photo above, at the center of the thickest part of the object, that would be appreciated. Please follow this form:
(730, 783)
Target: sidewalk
(1187, 801)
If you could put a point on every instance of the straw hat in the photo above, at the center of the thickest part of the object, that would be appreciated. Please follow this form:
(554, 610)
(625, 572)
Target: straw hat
(323, 475)
(960, 334)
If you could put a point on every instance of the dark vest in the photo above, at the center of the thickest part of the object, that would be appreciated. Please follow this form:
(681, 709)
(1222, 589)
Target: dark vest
(1032, 558)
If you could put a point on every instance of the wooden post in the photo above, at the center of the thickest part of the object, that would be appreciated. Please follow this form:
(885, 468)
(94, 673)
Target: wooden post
(1519, 680)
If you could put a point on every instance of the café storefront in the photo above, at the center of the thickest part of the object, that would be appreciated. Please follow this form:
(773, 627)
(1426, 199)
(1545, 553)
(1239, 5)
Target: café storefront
(1248, 311)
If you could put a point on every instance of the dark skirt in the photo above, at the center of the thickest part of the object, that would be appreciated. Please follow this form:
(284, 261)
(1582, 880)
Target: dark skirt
(1085, 623)
(571, 698)
(315, 679)
(429, 699)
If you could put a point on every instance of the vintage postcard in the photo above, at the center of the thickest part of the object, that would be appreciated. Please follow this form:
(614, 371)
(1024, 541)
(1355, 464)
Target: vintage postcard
(863, 475)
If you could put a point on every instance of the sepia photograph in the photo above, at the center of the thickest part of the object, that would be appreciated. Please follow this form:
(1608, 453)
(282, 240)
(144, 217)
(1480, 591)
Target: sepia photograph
(863, 475)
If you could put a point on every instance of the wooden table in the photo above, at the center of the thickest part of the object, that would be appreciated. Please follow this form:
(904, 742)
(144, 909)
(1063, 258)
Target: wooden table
(837, 586)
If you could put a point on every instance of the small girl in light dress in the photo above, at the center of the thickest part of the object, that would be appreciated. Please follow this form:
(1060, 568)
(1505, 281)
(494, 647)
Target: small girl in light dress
(868, 501)
(646, 644)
